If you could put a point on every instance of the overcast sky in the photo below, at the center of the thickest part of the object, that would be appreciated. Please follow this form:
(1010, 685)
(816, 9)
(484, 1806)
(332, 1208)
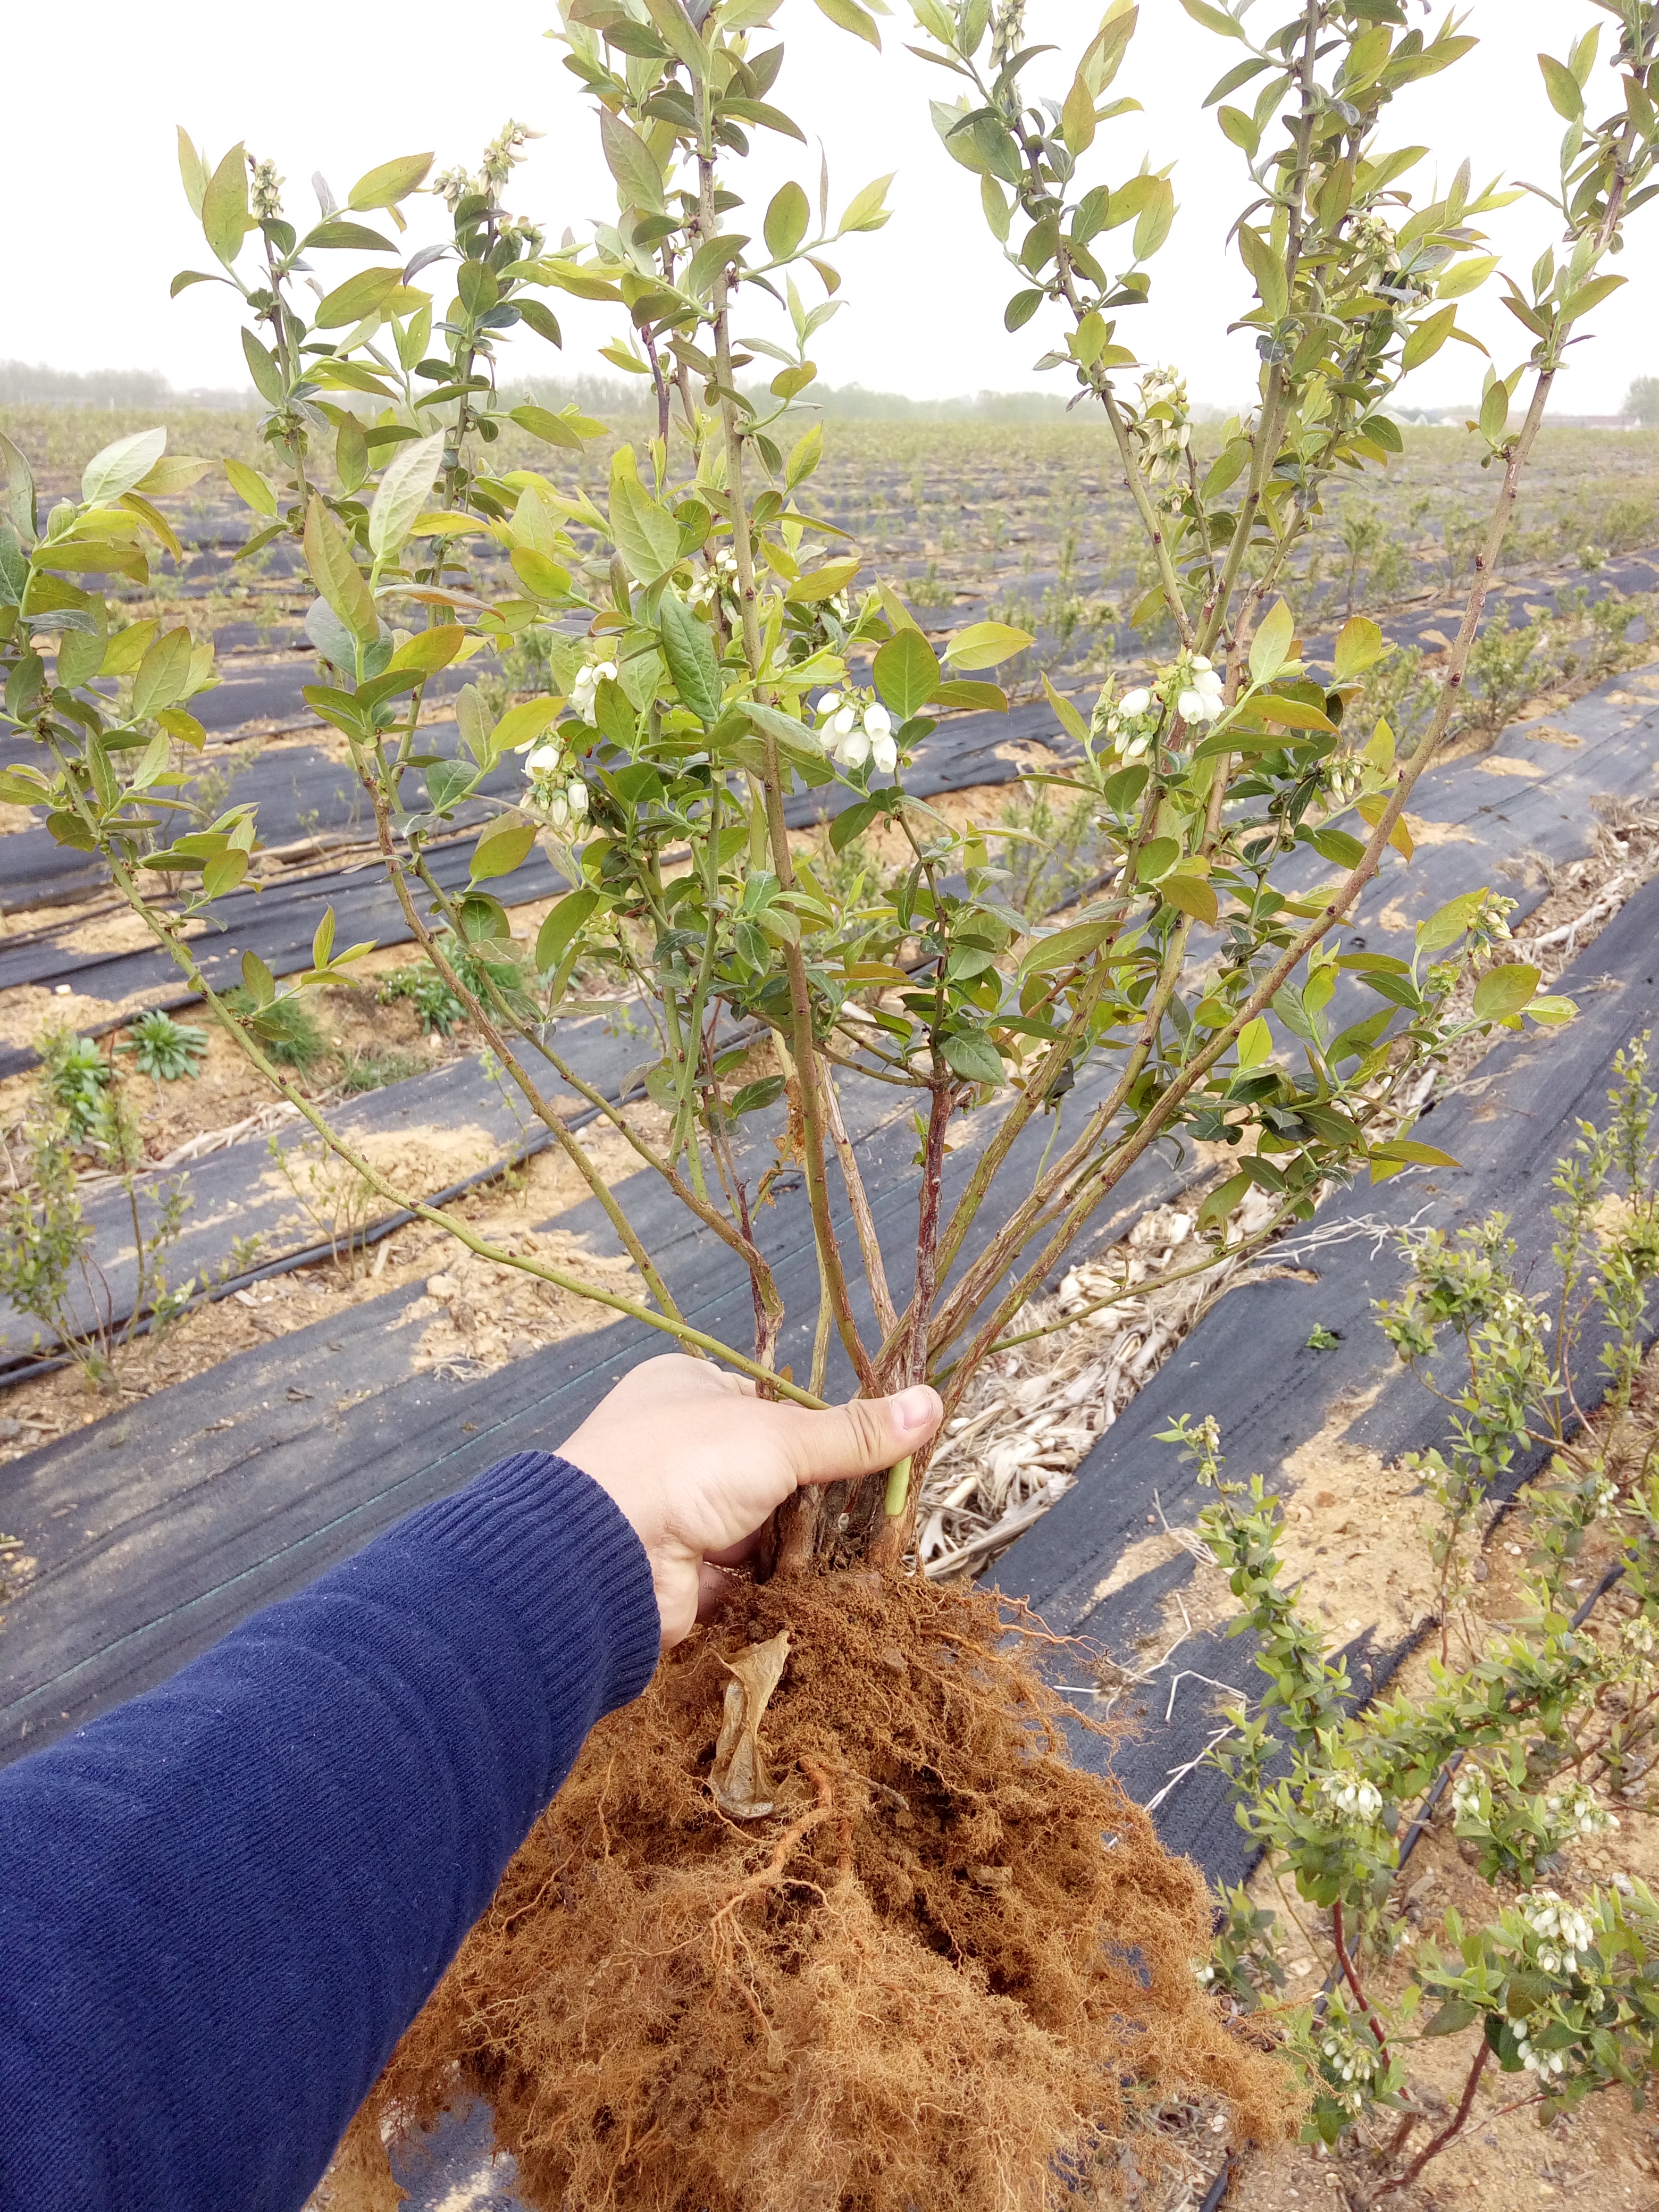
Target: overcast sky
(97, 222)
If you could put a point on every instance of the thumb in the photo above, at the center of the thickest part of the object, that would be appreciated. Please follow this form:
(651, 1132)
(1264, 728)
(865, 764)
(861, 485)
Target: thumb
(863, 1437)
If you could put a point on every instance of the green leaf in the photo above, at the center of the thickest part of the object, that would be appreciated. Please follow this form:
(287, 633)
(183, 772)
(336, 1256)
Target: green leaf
(907, 672)
(539, 574)
(163, 674)
(786, 221)
(338, 576)
(1447, 923)
(822, 582)
(1155, 221)
(1426, 340)
(428, 650)
(1256, 1042)
(1194, 895)
(865, 210)
(1453, 2017)
(561, 926)
(1213, 19)
(1066, 947)
(1020, 310)
(1406, 1152)
(982, 644)
(969, 1052)
(1157, 856)
(1266, 270)
(406, 487)
(365, 294)
(1358, 647)
(257, 980)
(1466, 276)
(383, 187)
(962, 692)
(447, 782)
(851, 17)
(552, 430)
(502, 846)
(632, 163)
(646, 534)
(120, 467)
(1270, 648)
(519, 726)
(688, 650)
(225, 220)
(1503, 992)
(193, 171)
(1566, 95)
(262, 368)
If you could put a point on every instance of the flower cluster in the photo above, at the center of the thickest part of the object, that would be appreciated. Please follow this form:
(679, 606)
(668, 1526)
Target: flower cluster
(587, 683)
(558, 796)
(1469, 1796)
(721, 579)
(1346, 1799)
(1201, 696)
(264, 192)
(501, 156)
(1641, 1636)
(1352, 2063)
(1564, 1930)
(1576, 1812)
(1162, 427)
(1111, 717)
(856, 732)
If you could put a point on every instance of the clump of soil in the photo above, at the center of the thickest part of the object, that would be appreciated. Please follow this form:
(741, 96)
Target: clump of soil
(950, 1967)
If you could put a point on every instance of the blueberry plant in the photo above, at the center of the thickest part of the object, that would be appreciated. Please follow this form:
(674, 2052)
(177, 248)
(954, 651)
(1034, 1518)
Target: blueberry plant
(717, 656)
(1524, 1732)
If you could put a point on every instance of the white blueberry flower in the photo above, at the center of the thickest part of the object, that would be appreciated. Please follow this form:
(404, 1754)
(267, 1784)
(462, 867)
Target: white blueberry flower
(852, 743)
(884, 753)
(544, 761)
(576, 791)
(829, 703)
(1136, 701)
(877, 720)
(587, 683)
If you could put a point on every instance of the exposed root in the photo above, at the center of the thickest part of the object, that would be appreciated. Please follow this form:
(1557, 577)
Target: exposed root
(953, 1970)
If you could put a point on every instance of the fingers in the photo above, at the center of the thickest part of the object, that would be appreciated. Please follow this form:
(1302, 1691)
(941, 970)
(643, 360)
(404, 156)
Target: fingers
(863, 1437)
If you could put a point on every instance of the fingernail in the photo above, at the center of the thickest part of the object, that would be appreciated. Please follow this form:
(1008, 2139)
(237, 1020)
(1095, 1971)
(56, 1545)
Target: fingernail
(914, 1409)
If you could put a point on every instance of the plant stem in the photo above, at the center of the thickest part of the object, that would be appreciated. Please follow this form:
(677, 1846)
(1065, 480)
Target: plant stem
(1454, 2126)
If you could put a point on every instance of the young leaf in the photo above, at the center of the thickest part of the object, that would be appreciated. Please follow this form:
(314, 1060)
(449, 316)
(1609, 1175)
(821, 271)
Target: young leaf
(983, 645)
(225, 219)
(121, 467)
(336, 575)
(851, 17)
(1256, 1042)
(1270, 648)
(383, 187)
(1503, 992)
(688, 650)
(560, 928)
(907, 672)
(503, 845)
(1358, 647)
(786, 221)
(258, 980)
(406, 487)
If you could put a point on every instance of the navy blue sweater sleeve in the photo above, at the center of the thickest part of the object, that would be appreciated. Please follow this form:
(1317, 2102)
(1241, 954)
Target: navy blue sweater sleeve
(222, 1904)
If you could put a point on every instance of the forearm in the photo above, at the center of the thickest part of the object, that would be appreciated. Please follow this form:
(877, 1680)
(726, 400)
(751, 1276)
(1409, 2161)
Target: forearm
(224, 1901)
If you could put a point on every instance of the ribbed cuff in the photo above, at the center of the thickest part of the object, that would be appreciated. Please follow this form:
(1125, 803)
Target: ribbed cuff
(560, 1556)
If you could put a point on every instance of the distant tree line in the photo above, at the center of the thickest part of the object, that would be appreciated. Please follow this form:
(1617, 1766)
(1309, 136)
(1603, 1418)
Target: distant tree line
(33, 384)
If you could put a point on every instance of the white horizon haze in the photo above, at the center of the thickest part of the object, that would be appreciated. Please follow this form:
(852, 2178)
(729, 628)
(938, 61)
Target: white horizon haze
(925, 296)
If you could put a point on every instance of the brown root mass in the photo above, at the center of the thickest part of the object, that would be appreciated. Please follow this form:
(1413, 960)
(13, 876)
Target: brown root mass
(951, 1970)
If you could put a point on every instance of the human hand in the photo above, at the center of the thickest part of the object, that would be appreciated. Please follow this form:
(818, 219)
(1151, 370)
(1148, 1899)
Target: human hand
(696, 1462)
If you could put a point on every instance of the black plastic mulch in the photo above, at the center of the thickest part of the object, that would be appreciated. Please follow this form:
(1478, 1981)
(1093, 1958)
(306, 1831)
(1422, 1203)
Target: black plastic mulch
(240, 1198)
(1249, 1364)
